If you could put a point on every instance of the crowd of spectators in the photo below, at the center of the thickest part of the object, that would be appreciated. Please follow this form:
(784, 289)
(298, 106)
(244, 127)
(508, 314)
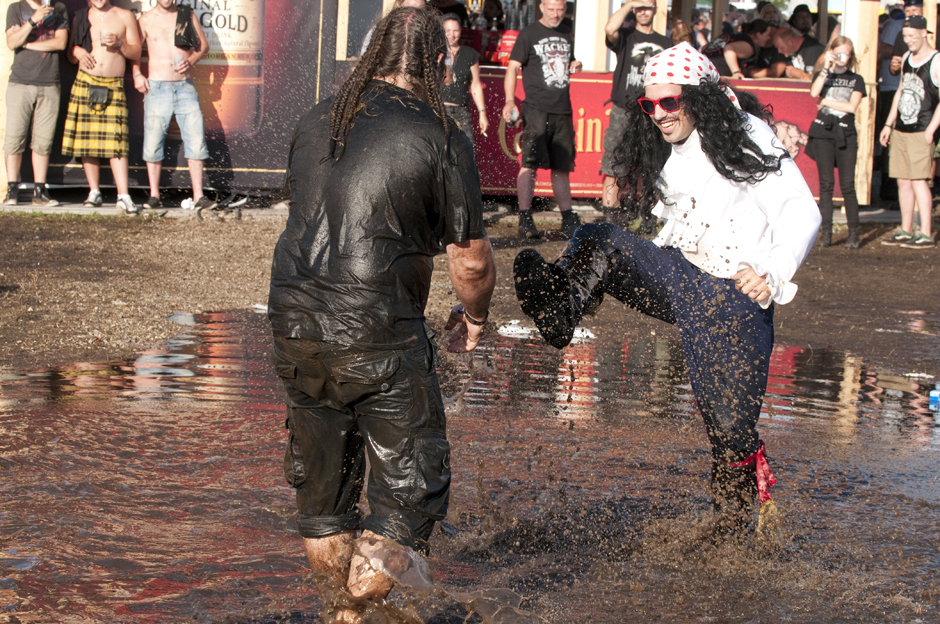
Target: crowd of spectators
(102, 39)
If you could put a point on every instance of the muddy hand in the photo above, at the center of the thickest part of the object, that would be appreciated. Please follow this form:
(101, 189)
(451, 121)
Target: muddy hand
(467, 336)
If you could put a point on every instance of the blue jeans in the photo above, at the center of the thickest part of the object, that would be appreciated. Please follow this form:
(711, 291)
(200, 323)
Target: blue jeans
(163, 100)
(727, 338)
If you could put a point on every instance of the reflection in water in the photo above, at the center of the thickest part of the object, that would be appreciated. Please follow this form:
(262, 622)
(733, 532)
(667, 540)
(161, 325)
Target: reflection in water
(150, 491)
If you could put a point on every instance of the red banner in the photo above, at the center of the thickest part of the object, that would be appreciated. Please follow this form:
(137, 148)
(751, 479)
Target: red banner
(498, 154)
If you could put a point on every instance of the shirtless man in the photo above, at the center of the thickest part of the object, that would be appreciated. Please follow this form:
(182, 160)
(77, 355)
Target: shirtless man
(175, 42)
(103, 38)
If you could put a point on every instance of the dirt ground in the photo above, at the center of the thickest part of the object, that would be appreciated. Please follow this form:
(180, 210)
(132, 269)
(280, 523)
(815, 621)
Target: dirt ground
(102, 288)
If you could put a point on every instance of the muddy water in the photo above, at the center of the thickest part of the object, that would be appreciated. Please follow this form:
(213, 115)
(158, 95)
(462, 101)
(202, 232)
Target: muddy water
(151, 491)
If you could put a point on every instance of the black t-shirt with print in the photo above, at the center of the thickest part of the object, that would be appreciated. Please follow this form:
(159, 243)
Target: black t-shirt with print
(457, 92)
(545, 54)
(633, 49)
(839, 88)
(29, 66)
(354, 263)
(805, 57)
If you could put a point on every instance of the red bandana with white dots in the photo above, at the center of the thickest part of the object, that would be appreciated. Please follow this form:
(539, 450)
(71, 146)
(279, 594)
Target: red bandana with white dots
(682, 65)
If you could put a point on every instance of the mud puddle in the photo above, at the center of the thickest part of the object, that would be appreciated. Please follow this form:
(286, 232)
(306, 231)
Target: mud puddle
(151, 490)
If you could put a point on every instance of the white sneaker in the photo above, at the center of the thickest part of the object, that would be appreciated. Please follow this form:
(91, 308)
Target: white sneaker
(94, 199)
(126, 204)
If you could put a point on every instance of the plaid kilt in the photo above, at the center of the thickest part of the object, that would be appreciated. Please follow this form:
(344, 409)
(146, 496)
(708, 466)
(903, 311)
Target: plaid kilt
(97, 134)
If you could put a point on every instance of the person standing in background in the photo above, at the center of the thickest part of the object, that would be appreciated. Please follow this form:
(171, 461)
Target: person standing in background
(104, 38)
(175, 43)
(544, 51)
(466, 77)
(632, 47)
(832, 135)
(36, 33)
(909, 130)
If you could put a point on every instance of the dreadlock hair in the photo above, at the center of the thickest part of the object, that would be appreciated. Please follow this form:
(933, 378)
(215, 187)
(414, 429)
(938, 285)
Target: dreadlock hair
(407, 44)
(643, 152)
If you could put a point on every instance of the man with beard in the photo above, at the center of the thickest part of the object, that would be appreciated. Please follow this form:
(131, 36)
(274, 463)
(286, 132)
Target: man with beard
(739, 221)
(381, 181)
(545, 53)
(910, 128)
(633, 47)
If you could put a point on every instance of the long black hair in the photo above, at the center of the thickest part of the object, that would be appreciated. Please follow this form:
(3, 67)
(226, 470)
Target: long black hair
(407, 43)
(642, 151)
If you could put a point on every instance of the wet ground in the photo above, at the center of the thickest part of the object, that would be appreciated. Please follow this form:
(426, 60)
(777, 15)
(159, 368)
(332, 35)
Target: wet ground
(151, 490)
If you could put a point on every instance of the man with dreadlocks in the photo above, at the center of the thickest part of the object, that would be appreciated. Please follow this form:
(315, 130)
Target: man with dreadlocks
(381, 181)
(739, 221)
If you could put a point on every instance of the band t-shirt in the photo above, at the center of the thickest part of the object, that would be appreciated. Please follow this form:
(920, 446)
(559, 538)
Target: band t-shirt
(805, 58)
(919, 97)
(633, 49)
(29, 66)
(545, 54)
(838, 87)
(354, 263)
(457, 92)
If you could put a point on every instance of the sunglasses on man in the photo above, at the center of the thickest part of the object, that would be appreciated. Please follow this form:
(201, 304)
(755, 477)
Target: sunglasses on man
(669, 104)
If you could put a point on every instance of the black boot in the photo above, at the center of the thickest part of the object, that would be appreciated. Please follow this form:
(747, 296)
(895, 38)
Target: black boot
(569, 222)
(734, 489)
(825, 236)
(527, 227)
(852, 242)
(544, 292)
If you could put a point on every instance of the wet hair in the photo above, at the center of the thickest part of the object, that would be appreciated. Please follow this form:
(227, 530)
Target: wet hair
(450, 17)
(642, 151)
(406, 43)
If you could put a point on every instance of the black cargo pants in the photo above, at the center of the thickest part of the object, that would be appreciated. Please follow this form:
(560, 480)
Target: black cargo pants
(344, 402)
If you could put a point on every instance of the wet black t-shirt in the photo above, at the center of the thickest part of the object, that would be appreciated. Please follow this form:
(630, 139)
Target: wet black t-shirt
(546, 55)
(633, 49)
(354, 263)
(29, 66)
(458, 91)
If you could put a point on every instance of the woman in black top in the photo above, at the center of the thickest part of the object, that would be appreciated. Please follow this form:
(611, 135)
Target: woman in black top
(833, 139)
(466, 71)
(732, 53)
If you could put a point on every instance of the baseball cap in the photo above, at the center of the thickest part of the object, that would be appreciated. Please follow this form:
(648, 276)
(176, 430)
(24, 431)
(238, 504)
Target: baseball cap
(908, 3)
(802, 7)
(916, 21)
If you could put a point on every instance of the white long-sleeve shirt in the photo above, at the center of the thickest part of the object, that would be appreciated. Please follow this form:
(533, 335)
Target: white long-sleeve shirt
(724, 227)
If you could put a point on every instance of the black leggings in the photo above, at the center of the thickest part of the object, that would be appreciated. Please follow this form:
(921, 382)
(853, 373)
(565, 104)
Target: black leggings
(829, 157)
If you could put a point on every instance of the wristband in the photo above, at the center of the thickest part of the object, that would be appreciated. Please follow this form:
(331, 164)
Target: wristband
(32, 23)
(138, 74)
(472, 320)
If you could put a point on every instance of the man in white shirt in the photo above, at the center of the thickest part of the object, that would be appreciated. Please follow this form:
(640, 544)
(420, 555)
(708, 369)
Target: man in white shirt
(739, 221)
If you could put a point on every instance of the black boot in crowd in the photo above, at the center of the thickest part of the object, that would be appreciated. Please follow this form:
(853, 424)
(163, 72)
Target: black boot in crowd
(852, 242)
(527, 227)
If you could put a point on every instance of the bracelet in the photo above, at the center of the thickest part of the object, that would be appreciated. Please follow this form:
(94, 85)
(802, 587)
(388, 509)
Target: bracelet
(32, 23)
(889, 126)
(138, 74)
(472, 320)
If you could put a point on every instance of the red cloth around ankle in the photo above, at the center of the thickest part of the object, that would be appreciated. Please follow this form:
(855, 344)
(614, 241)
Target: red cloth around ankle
(765, 478)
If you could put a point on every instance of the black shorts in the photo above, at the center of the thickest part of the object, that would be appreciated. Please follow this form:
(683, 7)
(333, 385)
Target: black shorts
(344, 402)
(547, 140)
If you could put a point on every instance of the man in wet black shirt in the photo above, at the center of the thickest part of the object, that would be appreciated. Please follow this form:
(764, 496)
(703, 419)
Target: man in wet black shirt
(381, 182)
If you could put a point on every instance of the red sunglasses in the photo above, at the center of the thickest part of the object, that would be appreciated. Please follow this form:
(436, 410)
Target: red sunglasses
(669, 104)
